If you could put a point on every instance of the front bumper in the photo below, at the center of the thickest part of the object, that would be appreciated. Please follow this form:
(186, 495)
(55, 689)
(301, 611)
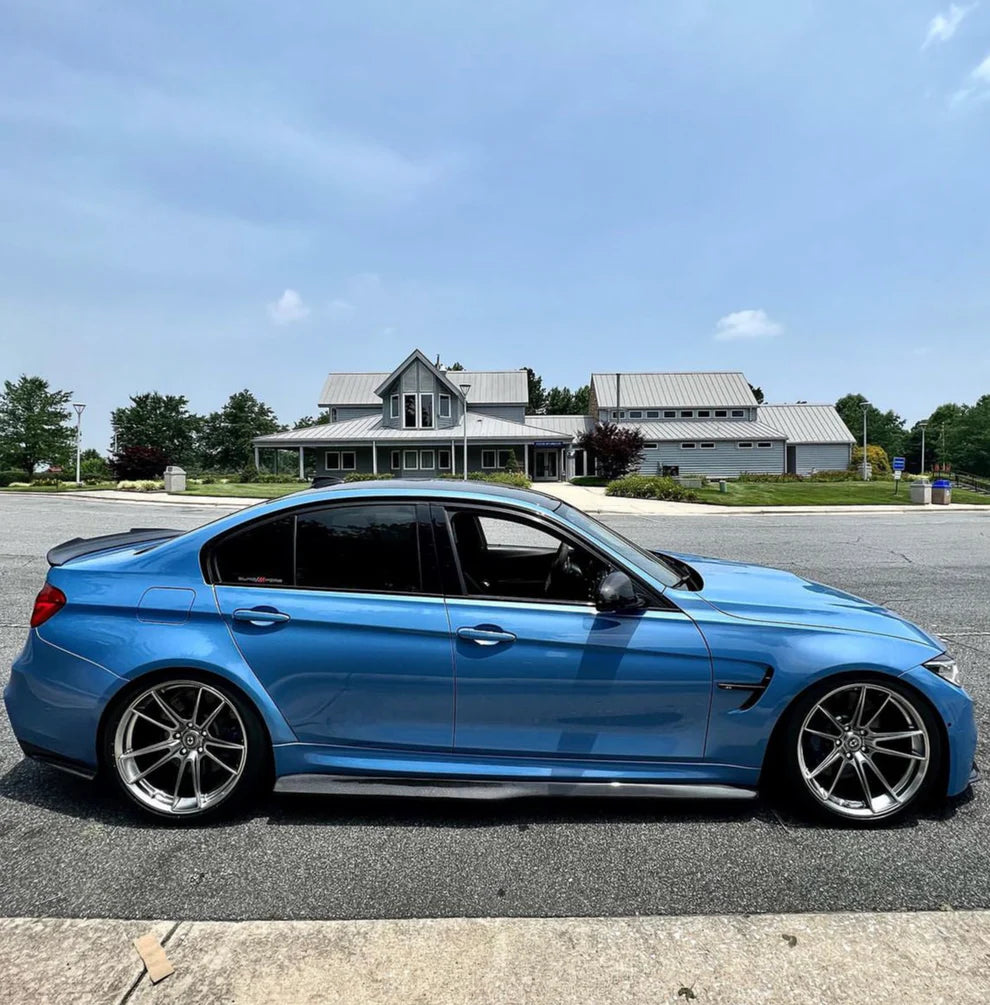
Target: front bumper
(54, 702)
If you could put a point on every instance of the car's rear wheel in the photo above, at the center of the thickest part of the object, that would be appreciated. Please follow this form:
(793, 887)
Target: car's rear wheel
(862, 750)
(182, 747)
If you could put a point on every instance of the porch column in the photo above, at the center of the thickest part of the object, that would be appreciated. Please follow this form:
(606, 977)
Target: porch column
(257, 461)
(562, 470)
(302, 466)
(526, 459)
(453, 457)
(374, 457)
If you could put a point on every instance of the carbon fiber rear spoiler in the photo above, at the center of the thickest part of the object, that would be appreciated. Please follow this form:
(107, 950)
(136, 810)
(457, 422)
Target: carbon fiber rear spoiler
(79, 546)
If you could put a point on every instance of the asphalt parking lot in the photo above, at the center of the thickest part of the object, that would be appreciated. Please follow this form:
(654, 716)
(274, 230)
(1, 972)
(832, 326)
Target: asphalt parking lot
(69, 849)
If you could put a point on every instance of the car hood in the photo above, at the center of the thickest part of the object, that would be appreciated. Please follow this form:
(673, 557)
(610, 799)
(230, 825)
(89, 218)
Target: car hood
(758, 593)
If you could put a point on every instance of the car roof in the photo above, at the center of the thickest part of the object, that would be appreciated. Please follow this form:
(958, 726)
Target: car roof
(429, 488)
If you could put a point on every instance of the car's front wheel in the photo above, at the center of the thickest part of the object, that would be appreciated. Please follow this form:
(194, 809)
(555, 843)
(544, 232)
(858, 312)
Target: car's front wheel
(862, 750)
(182, 747)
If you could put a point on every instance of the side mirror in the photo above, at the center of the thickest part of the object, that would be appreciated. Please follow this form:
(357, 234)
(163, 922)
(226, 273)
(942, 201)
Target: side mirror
(616, 593)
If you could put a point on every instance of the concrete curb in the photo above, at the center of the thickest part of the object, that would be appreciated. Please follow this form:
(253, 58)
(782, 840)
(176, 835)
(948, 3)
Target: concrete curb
(736, 960)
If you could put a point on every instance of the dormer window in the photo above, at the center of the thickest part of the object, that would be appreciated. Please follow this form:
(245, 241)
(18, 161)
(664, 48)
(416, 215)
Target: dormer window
(333, 414)
(444, 405)
(426, 412)
(409, 411)
(738, 413)
(394, 406)
(687, 413)
(720, 413)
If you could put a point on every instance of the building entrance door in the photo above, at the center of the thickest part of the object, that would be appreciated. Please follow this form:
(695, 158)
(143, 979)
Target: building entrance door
(545, 464)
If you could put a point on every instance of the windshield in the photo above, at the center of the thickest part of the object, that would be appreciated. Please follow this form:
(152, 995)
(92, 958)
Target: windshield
(660, 570)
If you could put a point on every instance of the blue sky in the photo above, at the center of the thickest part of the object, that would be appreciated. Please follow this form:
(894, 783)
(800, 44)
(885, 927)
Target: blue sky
(199, 197)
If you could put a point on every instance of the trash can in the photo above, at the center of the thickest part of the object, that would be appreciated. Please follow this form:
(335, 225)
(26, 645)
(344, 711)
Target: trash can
(175, 479)
(921, 491)
(722, 486)
(942, 492)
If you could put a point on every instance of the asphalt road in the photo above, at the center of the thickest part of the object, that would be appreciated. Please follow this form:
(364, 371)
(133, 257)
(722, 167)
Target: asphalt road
(69, 849)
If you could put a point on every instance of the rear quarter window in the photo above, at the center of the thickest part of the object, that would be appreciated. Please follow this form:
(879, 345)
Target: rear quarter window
(259, 555)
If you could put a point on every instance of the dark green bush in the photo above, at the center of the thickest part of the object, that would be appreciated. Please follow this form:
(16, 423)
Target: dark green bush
(357, 476)
(650, 487)
(6, 477)
(817, 476)
(515, 479)
(593, 480)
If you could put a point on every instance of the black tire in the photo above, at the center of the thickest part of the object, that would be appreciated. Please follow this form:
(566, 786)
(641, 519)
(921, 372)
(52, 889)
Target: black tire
(796, 753)
(236, 723)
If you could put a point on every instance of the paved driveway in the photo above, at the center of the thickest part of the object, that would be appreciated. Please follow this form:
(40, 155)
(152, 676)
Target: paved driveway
(68, 849)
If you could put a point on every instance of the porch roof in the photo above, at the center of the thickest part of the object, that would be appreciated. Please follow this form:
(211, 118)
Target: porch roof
(370, 428)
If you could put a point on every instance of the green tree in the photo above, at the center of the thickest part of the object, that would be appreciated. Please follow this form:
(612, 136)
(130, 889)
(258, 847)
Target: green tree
(618, 449)
(227, 434)
(969, 439)
(884, 429)
(537, 396)
(456, 366)
(34, 424)
(162, 421)
(312, 420)
(582, 400)
(757, 393)
(559, 401)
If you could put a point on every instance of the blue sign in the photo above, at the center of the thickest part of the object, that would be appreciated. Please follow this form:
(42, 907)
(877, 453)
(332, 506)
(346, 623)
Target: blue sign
(898, 463)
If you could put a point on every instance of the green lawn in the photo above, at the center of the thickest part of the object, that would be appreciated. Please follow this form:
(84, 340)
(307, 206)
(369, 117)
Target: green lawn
(245, 490)
(851, 493)
(61, 487)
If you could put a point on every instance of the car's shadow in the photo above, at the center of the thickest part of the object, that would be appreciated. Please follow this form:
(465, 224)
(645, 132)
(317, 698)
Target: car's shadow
(46, 788)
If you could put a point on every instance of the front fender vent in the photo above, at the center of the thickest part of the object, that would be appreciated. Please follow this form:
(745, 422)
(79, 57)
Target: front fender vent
(753, 692)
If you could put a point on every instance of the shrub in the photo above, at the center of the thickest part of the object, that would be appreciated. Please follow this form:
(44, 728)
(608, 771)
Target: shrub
(249, 475)
(876, 456)
(618, 449)
(816, 476)
(141, 485)
(94, 469)
(515, 479)
(512, 465)
(357, 476)
(139, 463)
(589, 480)
(9, 477)
(650, 487)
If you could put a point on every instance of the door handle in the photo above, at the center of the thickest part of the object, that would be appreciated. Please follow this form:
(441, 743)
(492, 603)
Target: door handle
(260, 615)
(485, 635)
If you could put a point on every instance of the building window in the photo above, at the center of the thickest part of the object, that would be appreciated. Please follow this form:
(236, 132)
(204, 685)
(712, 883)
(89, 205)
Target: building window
(720, 413)
(443, 456)
(653, 414)
(688, 446)
(687, 413)
(707, 446)
(704, 413)
(333, 414)
(409, 411)
(427, 460)
(426, 411)
(394, 406)
(765, 445)
(620, 415)
(444, 405)
(340, 460)
(670, 414)
(738, 413)
(745, 446)
(636, 415)
(396, 460)
(650, 446)
(488, 459)
(410, 460)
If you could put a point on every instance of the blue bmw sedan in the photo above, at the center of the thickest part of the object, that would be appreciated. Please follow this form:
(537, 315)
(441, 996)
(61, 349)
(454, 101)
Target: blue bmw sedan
(463, 639)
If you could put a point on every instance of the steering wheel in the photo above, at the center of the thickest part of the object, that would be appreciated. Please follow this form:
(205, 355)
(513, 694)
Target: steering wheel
(561, 564)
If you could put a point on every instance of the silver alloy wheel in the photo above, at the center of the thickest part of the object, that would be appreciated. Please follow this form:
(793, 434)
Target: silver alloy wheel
(864, 751)
(180, 747)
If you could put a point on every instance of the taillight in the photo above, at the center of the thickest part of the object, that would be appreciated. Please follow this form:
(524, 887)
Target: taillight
(48, 602)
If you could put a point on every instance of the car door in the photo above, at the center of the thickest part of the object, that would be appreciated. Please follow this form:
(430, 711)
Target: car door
(338, 611)
(546, 674)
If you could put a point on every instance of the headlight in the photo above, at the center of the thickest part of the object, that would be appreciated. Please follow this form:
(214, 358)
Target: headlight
(945, 666)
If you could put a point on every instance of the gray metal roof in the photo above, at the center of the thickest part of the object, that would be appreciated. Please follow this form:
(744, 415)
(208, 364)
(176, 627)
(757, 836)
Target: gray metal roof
(370, 427)
(705, 429)
(713, 389)
(488, 387)
(568, 425)
(807, 423)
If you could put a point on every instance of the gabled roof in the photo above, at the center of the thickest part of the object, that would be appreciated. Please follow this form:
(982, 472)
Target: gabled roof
(712, 389)
(370, 427)
(488, 387)
(706, 429)
(807, 423)
(414, 356)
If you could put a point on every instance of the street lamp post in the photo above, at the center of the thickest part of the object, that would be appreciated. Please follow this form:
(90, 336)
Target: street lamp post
(79, 411)
(464, 393)
(865, 406)
(923, 424)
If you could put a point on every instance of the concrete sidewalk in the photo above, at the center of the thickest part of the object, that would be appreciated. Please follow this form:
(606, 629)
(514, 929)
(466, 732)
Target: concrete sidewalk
(737, 960)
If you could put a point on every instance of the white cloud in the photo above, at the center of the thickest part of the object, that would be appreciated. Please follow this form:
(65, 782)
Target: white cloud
(978, 86)
(982, 73)
(944, 25)
(288, 308)
(747, 324)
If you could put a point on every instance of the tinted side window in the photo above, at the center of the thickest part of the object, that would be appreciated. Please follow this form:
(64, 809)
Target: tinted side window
(359, 548)
(259, 555)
